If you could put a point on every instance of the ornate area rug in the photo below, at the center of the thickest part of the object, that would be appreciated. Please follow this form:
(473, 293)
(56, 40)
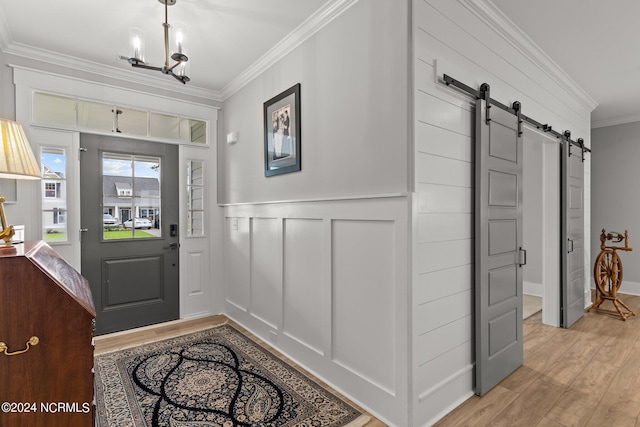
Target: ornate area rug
(212, 378)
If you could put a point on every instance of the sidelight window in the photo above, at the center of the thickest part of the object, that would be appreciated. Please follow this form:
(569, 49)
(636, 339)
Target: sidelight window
(195, 201)
(53, 164)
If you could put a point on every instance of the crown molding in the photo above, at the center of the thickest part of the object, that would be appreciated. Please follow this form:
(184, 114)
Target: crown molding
(327, 13)
(489, 13)
(617, 121)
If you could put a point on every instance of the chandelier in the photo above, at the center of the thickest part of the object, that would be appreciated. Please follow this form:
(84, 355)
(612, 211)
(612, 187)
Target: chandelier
(174, 44)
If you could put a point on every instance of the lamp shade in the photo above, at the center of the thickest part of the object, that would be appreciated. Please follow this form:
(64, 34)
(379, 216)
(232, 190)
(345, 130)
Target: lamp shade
(16, 157)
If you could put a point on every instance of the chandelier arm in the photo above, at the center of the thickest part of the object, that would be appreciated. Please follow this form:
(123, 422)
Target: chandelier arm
(147, 67)
(181, 79)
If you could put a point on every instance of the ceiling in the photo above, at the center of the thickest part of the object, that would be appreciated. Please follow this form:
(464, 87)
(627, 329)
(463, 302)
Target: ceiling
(596, 42)
(224, 37)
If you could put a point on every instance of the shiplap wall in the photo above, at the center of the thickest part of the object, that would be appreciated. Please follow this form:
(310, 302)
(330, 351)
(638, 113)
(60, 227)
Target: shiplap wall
(451, 37)
(326, 283)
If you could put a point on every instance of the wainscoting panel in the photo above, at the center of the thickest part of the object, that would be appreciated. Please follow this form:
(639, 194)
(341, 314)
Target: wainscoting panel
(237, 256)
(266, 271)
(363, 268)
(305, 295)
(327, 283)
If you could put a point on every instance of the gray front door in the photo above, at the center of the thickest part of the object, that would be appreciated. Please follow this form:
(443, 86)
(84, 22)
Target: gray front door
(498, 246)
(572, 234)
(131, 259)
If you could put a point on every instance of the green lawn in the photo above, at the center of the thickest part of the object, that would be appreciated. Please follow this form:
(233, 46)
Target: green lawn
(125, 234)
(55, 237)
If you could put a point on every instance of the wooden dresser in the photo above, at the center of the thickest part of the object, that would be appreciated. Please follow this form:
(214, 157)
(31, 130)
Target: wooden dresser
(51, 383)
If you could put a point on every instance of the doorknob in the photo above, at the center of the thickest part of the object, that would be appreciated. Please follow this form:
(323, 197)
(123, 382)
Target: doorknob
(172, 246)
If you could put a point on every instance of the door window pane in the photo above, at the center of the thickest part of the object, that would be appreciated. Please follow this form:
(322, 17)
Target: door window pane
(130, 196)
(54, 194)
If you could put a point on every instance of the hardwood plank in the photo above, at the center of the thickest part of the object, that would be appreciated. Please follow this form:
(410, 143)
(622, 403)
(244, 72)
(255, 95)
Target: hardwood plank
(119, 340)
(572, 409)
(595, 378)
(480, 411)
(572, 362)
(531, 405)
(627, 379)
(520, 379)
(615, 410)
(546, 422)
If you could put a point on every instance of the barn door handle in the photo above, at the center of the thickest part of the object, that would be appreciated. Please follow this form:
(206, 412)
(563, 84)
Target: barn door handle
(32, 341)
(523, 256)
(571, 246)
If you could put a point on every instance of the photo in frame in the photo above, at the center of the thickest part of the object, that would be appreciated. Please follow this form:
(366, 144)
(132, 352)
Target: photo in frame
(282, 132)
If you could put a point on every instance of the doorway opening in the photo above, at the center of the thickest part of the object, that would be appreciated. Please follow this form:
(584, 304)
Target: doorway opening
(541, 217)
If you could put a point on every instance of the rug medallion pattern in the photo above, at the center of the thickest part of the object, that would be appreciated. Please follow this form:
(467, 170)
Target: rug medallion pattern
(212, 378)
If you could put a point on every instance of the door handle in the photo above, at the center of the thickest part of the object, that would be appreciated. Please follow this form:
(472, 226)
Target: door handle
(173, 246)
(523, 256)
(571, 246)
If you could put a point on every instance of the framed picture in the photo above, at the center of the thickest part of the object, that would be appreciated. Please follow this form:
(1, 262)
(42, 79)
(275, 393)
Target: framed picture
(282, 132)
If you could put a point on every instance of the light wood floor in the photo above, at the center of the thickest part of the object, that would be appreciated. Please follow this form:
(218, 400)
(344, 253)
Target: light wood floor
(126, 339)
(588, 375)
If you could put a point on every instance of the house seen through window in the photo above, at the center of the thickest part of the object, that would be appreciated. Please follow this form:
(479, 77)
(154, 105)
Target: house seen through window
(130, 196)
(53, 163)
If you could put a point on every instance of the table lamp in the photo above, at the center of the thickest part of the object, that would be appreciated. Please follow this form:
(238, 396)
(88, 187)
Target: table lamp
(16, 162)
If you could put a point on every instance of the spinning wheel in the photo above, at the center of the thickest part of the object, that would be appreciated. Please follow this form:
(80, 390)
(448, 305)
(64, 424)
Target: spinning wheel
(607, 273)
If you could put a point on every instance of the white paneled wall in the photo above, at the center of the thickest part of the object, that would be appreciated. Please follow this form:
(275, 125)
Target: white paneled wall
(327, 283)
(454, 37)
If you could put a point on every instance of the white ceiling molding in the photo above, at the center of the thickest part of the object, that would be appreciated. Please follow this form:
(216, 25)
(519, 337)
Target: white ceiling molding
(616, 121)
(327, 13)
(499, 22)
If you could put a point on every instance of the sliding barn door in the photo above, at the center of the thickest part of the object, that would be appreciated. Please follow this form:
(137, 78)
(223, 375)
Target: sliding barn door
(498, 247)
(572, 234)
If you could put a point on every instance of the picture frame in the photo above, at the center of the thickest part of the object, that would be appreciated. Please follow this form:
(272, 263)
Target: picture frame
(282, 133)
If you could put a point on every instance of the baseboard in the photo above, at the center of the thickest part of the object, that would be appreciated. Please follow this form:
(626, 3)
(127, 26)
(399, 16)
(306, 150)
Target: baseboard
(530, 288)
(630, 288)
